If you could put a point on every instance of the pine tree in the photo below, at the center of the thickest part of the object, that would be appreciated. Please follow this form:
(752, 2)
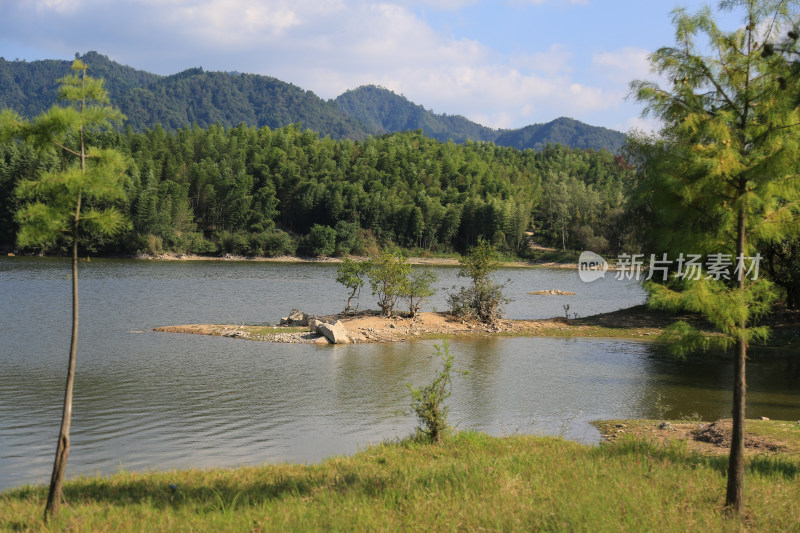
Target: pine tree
(723, 176)
(68, 201)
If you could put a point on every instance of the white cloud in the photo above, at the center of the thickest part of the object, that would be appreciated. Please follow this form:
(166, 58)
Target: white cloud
(390, 46)
(624, 65)
(556, 60)
(443, 5)
(59, 6)
(645, 125)
(329, 46)
(236, 22)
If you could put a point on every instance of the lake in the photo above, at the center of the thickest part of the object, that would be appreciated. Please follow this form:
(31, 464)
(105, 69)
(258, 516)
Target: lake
(154, 401)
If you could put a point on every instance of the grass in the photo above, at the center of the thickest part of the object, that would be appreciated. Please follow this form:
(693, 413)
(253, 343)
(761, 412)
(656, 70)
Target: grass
(783, 431)
(470, 482)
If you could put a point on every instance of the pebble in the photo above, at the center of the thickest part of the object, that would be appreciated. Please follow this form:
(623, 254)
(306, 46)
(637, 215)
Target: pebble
(294, 338)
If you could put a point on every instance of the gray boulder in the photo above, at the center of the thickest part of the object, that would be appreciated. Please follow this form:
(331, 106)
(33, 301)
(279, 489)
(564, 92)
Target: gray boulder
(336, 333)
(296, 318)
(313, 325)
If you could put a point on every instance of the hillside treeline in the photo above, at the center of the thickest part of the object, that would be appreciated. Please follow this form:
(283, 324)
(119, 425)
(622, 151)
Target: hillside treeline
(270, 192)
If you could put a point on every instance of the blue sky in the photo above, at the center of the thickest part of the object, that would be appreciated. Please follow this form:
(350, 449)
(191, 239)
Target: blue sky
(506, 63)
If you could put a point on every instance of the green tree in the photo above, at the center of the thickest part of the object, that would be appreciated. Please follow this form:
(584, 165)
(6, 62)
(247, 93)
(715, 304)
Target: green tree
(428, 402)
(557, 206)
(483, 300)
(346, 237)
(724, 174)
(322, 240)
(69, 200)
(419, 288)
(388, 277)
(351, 274)
(781, 261)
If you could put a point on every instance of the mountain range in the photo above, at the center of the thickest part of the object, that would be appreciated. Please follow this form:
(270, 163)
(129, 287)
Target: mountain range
(196, 96)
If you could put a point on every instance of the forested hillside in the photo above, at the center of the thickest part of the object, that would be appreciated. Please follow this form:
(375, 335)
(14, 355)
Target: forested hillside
(566, 131)
(190, 97)
(195, 96)
(262, 191)
(383, 111)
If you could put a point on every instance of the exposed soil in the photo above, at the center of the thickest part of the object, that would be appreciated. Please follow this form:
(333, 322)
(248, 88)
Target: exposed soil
(372, 327)
(369, 326)
(639, 323)
(761, 437)
(553, 292)
(719, 433)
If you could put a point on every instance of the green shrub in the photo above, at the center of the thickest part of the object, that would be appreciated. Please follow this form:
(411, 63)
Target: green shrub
(321, 240)
(193, 242)
(388, 277)
(366, 243)
(419, 288)
(237, 243)
(483, 300)
(428, 402)
(277, 243)
(346, 237)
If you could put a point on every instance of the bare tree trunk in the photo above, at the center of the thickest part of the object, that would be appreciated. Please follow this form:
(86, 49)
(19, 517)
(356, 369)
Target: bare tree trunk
(62, 449)
(349, 307)
(734, 498)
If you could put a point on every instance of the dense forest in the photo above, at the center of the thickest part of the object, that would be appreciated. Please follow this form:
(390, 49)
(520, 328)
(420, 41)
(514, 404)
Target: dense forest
(195, 96)
(262, 191)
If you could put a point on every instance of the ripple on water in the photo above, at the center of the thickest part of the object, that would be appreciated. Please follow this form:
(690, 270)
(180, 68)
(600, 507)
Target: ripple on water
(158, 401)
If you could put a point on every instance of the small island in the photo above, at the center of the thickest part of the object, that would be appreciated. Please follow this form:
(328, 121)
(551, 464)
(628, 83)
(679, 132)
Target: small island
(369, 326)
(475, 309)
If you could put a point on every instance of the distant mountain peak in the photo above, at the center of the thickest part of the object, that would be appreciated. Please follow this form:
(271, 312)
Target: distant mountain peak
(232, 98)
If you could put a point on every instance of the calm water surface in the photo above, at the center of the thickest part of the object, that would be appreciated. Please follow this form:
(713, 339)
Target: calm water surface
(147, 400)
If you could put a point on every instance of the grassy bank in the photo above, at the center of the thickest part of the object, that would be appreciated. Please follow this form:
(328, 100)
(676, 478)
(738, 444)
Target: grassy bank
(471, 482)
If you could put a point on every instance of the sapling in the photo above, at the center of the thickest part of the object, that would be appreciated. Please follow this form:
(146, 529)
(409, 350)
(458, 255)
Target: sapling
(428, 402)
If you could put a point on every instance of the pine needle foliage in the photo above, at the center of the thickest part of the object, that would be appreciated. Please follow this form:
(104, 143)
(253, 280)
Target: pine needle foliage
(79, 196)
(723, 175)
(428, 402)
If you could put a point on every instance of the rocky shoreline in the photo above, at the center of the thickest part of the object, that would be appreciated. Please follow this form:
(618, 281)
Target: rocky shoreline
(371, 327)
